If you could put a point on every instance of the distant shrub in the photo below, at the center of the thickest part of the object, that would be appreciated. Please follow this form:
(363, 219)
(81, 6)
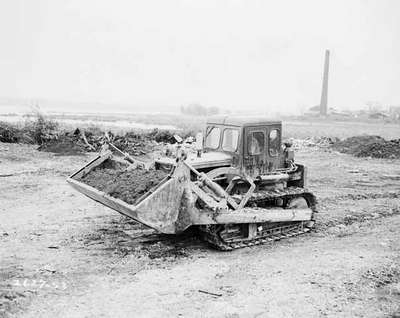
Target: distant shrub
(9, 133)
(40, 128)
(199, 110)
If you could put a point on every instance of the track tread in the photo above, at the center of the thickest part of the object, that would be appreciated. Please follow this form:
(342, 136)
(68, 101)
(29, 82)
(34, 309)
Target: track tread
(212, 236)
(216, 241)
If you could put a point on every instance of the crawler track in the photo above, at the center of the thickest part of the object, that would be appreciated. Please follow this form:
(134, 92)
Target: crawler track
(233, 236)
(218, 237)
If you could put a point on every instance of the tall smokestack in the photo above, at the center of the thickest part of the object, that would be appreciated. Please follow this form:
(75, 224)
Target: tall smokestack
(323, 106)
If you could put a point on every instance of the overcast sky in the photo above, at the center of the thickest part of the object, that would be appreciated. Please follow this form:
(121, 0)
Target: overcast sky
(256, 54)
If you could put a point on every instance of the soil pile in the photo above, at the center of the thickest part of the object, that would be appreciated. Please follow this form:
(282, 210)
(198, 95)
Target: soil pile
(127, 185)
(352, 145)
(389, 149)
(369, 146)
(65, 144)
(62, 146)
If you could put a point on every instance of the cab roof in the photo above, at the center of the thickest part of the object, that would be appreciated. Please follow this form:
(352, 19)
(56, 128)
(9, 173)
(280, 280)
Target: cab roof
(241, 121)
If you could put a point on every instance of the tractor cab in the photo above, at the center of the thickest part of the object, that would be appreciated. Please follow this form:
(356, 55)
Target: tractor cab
(254, 144)
(251, 145)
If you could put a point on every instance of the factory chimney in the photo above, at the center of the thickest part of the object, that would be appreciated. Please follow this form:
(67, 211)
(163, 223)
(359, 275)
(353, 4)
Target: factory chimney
(323, 106)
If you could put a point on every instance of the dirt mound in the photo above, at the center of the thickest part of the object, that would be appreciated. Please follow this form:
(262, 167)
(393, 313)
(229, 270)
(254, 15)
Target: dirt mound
(389, 149)
(64, 145)
(369, 146)
(352, 144)
(127, 185)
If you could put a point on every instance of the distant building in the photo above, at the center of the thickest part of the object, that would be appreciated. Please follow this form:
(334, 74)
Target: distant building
(394, 112)
(378, 115)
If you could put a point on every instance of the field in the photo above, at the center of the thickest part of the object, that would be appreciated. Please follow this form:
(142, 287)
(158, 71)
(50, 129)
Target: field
(292, 128)
(304, 129)
(63, 255)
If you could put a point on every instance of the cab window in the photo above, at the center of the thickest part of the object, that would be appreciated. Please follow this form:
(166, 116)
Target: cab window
(212, 137)
(230, 139)
(255, 143)
(274, 142)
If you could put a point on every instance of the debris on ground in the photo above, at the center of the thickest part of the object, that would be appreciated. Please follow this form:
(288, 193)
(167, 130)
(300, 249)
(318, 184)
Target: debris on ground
(50, 138)
(162, 251)
(127, 185)
(369, 146)
(48, 268)
(321, 142)
(355, 218)
(383, 276)
(162, 136)
(209, 293)
(9, 300)
(134, 143)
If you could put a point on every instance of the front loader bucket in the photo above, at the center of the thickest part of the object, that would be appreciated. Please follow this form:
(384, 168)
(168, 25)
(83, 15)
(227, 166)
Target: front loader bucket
(165, 208)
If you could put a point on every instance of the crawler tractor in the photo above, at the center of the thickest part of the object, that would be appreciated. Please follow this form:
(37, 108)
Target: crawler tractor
(241, 188)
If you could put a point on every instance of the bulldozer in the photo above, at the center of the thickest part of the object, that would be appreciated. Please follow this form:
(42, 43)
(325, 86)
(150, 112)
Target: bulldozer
(240, 188)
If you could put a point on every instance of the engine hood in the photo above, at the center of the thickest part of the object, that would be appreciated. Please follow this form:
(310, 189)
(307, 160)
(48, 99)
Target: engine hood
(207, 160)
(210, 159)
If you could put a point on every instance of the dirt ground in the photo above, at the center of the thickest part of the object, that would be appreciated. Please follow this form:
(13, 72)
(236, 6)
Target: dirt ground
(63, 255)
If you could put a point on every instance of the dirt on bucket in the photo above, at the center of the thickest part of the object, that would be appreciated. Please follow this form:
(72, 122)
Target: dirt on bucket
(127, 185)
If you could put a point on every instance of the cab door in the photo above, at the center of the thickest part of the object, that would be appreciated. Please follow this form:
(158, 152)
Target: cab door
(273, 148)
(255, 145)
